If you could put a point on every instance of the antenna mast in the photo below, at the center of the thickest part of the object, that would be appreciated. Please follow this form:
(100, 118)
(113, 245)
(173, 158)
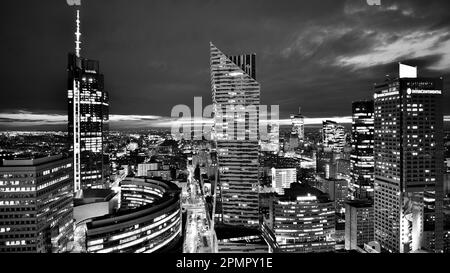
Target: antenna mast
(78, 35)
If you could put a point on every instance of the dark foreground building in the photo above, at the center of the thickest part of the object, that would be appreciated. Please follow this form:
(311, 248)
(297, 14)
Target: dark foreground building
(36, 210)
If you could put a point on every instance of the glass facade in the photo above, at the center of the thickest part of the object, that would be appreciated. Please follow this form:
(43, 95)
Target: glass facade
(362, 157)
(88, 114)
(236, 96)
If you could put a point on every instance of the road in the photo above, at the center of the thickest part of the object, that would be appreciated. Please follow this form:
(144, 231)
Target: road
(197, 237)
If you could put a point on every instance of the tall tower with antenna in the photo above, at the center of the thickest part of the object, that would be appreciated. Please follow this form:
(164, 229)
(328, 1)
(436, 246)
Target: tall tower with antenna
(88, 118)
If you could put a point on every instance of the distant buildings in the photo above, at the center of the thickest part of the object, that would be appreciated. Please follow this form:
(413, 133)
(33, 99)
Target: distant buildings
(298, 125)
(333, 136)
(282, 178)
(408, 159)
(36, 205)
(236, 99)
(145, 167)
(271, 143)
(362, 157)
(359, 228)
(303, 221)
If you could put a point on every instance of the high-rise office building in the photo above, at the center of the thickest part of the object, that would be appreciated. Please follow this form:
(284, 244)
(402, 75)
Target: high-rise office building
(362, 157)
(333, 135)
(408, 159)
(236, 99)
(358, 223)
(36, 205)
(88, 120)
(298, 125)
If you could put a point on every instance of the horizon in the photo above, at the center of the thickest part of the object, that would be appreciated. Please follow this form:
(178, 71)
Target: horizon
(308, 62)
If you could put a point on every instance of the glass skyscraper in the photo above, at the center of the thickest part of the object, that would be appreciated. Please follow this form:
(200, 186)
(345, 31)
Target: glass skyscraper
(88, 115)
(236, 99)
(362, 157)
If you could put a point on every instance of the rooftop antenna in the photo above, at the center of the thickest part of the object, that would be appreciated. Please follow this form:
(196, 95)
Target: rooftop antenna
(78, 35)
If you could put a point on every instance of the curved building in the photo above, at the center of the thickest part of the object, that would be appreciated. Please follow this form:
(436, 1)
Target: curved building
(148, 220)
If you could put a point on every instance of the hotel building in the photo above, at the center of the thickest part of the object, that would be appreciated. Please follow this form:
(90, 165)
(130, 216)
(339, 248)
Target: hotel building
(408, 159)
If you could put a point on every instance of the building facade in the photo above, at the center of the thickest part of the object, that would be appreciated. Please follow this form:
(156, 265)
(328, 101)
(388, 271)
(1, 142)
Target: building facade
(236, 95)
(304, 221)
(282, 178)
(408, 160)
(36, 205)
(149, 220)
(359, 227)
(333, 136)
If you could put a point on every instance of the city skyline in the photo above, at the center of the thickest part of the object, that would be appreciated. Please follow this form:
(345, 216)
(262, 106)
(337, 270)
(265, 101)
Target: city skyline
(297, 66)
(324, 129)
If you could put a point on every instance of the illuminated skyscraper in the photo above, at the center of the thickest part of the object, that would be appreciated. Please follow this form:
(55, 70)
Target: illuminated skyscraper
(408, 159)
(333, 135)
(88, 116)
(362, 158)
(236, 96)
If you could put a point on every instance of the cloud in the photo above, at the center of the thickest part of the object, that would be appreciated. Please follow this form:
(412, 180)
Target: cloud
(413, 45)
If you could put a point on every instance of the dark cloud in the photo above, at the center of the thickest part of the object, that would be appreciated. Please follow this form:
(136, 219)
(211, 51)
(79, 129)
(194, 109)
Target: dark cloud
(155, 54)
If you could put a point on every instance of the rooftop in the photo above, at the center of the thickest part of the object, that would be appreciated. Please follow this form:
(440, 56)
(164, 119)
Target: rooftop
(30, 161)
(360, 203)
(300, 190)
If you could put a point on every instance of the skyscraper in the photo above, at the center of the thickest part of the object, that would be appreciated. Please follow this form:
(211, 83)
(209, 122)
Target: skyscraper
(88, 116)
(333, 135)
(362, 157)
(36, 205)
(408, 159)
(298, 125)
(236, 96)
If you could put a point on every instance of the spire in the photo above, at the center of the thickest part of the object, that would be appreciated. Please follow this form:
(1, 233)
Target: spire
(77, 35)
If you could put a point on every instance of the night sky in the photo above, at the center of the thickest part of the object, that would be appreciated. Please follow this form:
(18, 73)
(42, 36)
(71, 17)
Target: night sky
(320, 55)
